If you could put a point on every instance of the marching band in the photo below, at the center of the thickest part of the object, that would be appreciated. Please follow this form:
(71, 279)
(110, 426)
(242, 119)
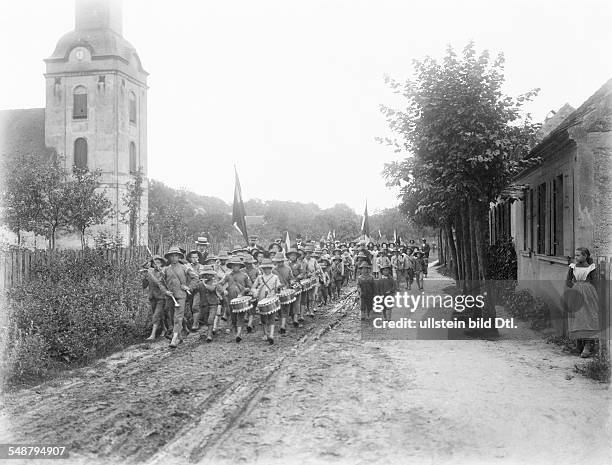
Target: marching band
(189, 291)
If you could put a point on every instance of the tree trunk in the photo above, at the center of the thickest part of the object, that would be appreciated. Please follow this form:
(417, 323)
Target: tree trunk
(473, 219)
(441, 260)
(488, 312)
(460, 254)
(466, 247)
(453, 251)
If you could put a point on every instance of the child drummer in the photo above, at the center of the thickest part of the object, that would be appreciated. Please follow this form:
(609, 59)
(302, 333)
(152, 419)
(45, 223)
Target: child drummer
(238, 284)
(385, 286)
(267, 285)
(285, 276)
(210, 294)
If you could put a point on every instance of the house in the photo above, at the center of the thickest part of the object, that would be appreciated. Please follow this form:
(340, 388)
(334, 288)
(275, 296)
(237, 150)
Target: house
(565, 201)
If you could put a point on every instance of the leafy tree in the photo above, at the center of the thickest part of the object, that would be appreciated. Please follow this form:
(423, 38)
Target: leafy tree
(467, 139)
(87, 207)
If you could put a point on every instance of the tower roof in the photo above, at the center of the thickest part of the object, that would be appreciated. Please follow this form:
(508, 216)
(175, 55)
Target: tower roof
(98, 26)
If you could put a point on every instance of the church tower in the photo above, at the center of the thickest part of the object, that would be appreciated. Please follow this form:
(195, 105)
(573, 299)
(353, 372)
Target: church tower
(96, 109)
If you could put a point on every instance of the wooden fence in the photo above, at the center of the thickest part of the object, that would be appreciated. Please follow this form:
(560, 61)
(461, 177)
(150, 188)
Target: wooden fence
(16, 265)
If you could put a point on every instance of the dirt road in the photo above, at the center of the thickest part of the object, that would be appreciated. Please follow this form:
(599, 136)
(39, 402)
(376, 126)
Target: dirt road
(325, 396)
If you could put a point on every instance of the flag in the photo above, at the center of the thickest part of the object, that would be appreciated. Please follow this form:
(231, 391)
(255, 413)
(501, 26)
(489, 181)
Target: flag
(379, 234)
(394, 236)
(329, 236)
(365, 224)
(287, 242)
(238, 213)
(334, 233)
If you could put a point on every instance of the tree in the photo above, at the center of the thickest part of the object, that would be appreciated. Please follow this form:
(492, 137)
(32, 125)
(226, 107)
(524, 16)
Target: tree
(132, 199)
(51, 206)
(88, 207)
(467, 140)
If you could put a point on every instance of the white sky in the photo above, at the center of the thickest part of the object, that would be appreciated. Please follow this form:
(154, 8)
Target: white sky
(289, 91)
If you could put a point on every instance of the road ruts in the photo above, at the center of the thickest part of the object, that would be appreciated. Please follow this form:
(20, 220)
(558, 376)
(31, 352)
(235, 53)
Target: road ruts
(139, 404)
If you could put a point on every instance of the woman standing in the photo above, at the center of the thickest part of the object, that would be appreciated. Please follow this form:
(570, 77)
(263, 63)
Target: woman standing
(582, 301)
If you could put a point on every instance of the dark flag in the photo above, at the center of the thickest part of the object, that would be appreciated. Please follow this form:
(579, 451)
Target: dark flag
(238, 213)
(365, 225)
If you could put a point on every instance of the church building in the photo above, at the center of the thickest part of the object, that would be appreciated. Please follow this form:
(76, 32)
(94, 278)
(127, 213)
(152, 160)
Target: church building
(95, 114)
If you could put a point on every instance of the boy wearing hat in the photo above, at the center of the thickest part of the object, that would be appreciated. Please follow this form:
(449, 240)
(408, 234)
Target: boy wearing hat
(297, 273)
(210, 293)
(337, 274)
(283, 271)
(312, 269)
(366, 289)
(425, 249)
(157, 297)
(194, 259)
(179, 279)
(238, 284)
(386, 286)
(252, 269)
(324, 281)
(202, 248)
(419, 266)
(267, 285)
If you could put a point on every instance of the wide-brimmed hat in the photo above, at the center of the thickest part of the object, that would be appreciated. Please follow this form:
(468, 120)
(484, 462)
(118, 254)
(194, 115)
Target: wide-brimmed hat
(207, 270)
(362, 255)
(237, 249)
(336, 257)
(157, 257)
(279, 257)
(202, 241)
(325, 261)
(223, 255)
(365, 265)
(249, 259)
(337, 250)
(211, 257)
(266, 263)
(196, 252)
(296, 251)
(235, 261)
(253, 237)
(175, 249)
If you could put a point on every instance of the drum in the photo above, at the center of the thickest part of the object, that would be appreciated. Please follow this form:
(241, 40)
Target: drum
(286, 296)
(297, 288)
(313, 282)
(306, 284)
(241, 304)
(268, 305)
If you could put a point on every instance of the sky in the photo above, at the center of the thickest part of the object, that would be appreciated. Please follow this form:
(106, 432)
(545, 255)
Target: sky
(289, 91)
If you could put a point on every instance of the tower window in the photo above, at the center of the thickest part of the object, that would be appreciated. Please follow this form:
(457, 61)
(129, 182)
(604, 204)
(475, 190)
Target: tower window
(79, 108)
(133, 162)
(132, 107)
(80, 153)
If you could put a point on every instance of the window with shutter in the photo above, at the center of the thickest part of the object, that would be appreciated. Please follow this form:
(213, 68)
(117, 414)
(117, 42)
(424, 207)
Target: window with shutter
(80, 153)
(79, 106)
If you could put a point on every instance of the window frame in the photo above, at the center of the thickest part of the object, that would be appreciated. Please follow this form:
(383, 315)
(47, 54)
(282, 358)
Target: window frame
(79, 102)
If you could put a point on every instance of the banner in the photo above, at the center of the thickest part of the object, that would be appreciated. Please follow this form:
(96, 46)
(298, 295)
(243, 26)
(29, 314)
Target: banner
(238, 213)
(365, 224)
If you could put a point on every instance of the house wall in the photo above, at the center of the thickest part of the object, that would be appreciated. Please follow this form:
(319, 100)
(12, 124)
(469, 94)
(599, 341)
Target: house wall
(585, 162)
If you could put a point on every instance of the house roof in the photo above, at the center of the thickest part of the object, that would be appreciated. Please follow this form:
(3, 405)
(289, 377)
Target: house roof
(22, 132)
(594, 115)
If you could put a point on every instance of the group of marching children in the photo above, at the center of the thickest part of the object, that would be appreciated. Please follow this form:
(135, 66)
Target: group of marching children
(386, 267)
(197, 289)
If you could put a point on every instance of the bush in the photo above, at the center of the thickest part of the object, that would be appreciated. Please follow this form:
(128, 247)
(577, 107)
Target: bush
(521, 304)
(502, 268)
(597, 368)
(76, 310)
